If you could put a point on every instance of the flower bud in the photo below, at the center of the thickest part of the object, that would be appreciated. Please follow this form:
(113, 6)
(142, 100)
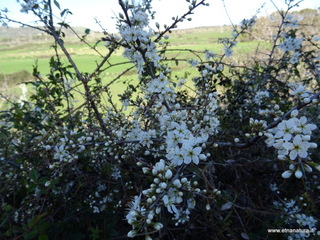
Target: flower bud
(286, 174)
(298, 173)
(282, 157)
(202, 157)
(163, 185)
(184, 180)
(132, 234)
(307, 168)
(177, 183)
(168, 174)
(158, 226)
(158, 210)
(306, 100)
(148, 237)
(294, 113)
(313, 145)
(150, 215)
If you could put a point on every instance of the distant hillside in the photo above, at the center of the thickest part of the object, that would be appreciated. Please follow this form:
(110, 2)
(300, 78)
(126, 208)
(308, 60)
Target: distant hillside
(25, 34)
(22, 35)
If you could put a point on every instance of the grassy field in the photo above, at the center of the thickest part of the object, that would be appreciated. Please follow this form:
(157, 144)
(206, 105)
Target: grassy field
(18, 55)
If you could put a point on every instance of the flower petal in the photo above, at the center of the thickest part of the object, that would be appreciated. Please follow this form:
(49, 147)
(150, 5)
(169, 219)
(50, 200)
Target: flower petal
(298, 173)
(286, 174)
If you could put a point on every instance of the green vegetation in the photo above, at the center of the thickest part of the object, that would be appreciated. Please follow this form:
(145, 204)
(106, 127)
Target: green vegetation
(22, 48)
(20, 51)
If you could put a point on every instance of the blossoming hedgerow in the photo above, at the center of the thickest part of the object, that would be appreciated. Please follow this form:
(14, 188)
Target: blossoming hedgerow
(191, 131)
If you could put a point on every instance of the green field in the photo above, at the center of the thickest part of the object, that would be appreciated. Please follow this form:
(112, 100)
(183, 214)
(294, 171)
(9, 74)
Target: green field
(18, 55)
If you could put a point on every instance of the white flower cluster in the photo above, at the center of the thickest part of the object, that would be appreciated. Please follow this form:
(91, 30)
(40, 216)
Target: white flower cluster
(161, 87)
(288, 206)
(274, 187)
(295, 57)
(162, 183)
(167, 190)
(135, 34)
(260, 96)
(144, 137)
(228, 51)
(257, 127)
(193, 62)
(166, 183)
(301, 93)
(290, 22)
(183, 137)
(98, 201)
(210, 55)
(294, 218)
(183, 145)
(290, 44)
(292, 139)
(248, 23)
(229, 44)
(271, 110)
(133, 212)
(305, 222)
(63, 149)
(207, 70)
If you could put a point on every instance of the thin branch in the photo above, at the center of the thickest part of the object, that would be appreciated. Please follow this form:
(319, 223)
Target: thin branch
(78, 73)
(173, 25)
(27, 25)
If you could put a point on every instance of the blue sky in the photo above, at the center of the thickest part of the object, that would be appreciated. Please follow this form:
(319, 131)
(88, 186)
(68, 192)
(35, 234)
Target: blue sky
(84, 12)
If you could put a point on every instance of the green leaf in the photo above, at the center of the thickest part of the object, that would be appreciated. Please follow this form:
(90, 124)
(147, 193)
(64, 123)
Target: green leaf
(43, 180)
(63, 24)
(43, 237)
(65, 11)
(31, 235)
(36, 219)
(56, 3)
(7, 207)
(87, 31)
(34, 175)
